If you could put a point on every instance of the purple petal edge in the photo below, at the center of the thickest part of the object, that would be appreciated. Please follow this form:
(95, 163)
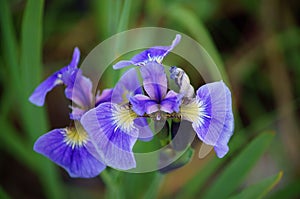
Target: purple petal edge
(63, 76)
(77, 161)
(153, 54)
(155, 80)
(122, 64)
(218, 128)
(39, 94)
(111, 143)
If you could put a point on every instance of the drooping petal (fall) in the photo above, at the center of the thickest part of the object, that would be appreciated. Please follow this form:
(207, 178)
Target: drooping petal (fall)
(112, 131)
(67, 148)
(211, 115)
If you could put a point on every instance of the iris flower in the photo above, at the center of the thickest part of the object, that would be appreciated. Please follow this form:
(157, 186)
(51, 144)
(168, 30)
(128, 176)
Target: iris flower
(210, 111)
(155, 84)
(68, 147)
(109, 124)
(114, 127)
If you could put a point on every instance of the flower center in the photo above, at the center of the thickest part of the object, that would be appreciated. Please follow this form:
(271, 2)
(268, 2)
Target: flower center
(75, 137)
(123, 118)
(194, 111)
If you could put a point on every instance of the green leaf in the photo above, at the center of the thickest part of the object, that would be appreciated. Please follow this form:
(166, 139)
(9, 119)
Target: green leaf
(153, 189)
(194, 25)
(3, 194)
(31, 44)
(113, 190)
(290, 190)
(13, 144)
(136, 185)
(124, 18)
(236, 171)
(259, 189)
(9, 42)
(33, 118)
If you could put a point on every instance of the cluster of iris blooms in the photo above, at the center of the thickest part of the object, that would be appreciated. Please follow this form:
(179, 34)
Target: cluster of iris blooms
(109, 124)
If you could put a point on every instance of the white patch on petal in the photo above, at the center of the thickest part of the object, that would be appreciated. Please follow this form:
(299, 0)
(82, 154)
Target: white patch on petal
(194, 111)
(123, 118)
(75, 137)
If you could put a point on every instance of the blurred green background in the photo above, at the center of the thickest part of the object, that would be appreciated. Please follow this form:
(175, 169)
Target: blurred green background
(256, 45)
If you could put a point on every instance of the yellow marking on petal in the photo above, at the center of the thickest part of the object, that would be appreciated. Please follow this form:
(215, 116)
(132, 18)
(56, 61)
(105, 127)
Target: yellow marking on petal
(124, 95)
(75, 136)
(123, 118)
(193, 111)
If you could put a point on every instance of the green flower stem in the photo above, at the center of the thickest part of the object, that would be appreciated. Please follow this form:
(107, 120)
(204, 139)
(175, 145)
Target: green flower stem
(113, 188)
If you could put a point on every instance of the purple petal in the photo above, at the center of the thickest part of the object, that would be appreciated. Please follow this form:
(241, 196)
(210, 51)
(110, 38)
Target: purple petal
(171, 102)
(155, 81)
(129, 85)
(39, 94)
(111, 129)
(66, 76)
(69, 73)
(77, 161)
(76, 113)
(122, 64)
(81, 91)
(153, 54)
(216, 118)
(75, 58)
(104, 97)
(142, 104)
(145, 133)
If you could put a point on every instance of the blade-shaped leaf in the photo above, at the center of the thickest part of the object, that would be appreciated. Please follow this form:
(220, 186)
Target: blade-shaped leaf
(9, 42)
(33, 118)
(259, 189)
(197, 29)
(290, 190)
(238, 168)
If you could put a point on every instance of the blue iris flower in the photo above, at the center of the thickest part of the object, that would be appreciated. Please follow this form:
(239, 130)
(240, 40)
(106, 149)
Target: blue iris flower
(109, 124)
(153, 54)
(210, 111)
(114, 127)
(156, 85)
(70, 147)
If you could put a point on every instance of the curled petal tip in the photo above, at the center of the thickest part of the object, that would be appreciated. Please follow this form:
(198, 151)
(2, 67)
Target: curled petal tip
(39, 94)
(122, 64)
(75, 58)
(176, 40)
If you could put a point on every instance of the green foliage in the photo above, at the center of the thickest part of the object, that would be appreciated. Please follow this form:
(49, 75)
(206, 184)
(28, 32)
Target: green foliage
(29, 27)
(233, 175)
(259, 189)
(3, 194)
